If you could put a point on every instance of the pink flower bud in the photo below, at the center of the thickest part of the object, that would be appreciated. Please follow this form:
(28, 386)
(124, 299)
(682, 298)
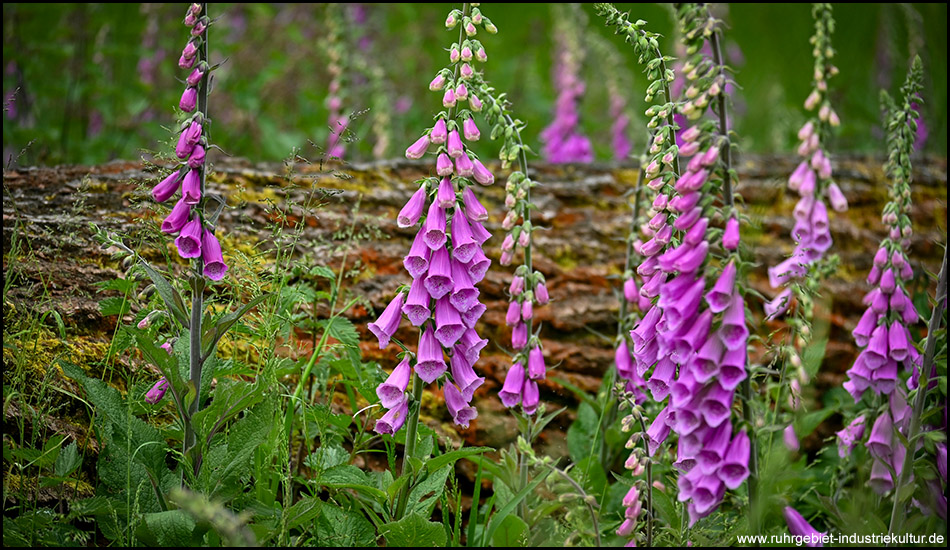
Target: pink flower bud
(524, 238)
(812, 101)
(464, 166)
(506, 258)
(474, 103)
(467, 53)
(439, 133)
(189, 51)
(517, 285)
(437, 83)
(470, 29)
(448, 98)
(461, 92)
(470, 130)
(454, 54)
(481, 55)
(807, 130)
(189, 100)
(481, 174)
(454, 144)
(466, 71)
(837, 198)
(541, 293)
(730, 238)
(443, 165)
(195, 77)
(418, 149)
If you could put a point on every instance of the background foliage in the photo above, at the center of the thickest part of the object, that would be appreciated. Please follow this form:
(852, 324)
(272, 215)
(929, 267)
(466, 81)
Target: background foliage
(87, 83)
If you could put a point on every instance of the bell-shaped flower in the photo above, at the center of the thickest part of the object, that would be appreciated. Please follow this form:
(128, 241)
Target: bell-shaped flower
(443, 165)
(157, 393)
(732, 369)
(393, 391)
(189, 100)
(662, 378)
(430, 363)
(658, 431)
(435, 226)
(418, 149)
(197, 158)
(876, 353)
(464, 166)
(530, 396)
(454, 144)
(412, 211)
(778, 305)
(388, 322)
(474, 210)
(393, 420)
(464, 294)
(481, 174)
(714, 448)
(733, 330)
(177, 218)
(850, 435)
(536, 368)
(473, 345)
(734, 468)
(189, 240)
(798, 527)
(463, 242)
(519, 335)
(167, 187)
(191, 187)
(214, 266)
(445, 196)
(510, 393)
(449, 327)
(470, 317)
(881, 441)
(470, 129)
(417, 261)
(721, 294)
(439, 278)
(439, 132)
(478, 266)
(730, 238)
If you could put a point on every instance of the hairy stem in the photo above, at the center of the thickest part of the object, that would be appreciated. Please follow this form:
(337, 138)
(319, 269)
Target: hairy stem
(411, 436)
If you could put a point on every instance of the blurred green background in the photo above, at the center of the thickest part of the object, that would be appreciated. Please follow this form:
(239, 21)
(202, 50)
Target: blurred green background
(88, 83)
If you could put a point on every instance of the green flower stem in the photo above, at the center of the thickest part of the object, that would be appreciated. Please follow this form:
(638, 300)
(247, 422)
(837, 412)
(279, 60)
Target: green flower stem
(411, 436)
(897, 513)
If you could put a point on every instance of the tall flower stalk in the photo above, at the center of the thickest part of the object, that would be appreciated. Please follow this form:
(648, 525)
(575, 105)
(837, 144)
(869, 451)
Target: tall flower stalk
(188, 218)
(563, 140)
(446, 260)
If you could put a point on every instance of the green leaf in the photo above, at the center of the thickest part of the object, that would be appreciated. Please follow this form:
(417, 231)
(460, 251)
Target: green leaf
(343, 330)
(304, 511)
(114, 305)
(171, 297)
(495, 523)
(806, 424)
(223, 325)
(337, 527)
(512, 533)
(172, 529)
(425, 495)
(590, 474)
(414, 530)
(323, 271)
(582, 435)
(452, 457)
(67, 461)
(327, 457)
(666, 509)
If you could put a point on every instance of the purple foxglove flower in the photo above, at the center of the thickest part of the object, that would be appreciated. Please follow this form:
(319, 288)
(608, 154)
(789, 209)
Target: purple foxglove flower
(190, 19)
(850, 435)
(530, 396)
(790, 439)
(866, 326)
(778, 305)
(439, 279)
(445, 195)
(647, 268)
(696, 233)
(730, 238)
(798, 527)
(710, 156)
(632, 497)
(898, 341)
(630, 291)
(733, 330)
(481, 174)
(624, 360)
(536, 368)
(449, 327)
(157, 392)
(514, 313)
(713, 448)
(721, 294)
(837, 198)
(435, 226)
(417, 261)
(517, 285)
(880, 257)
(685, 221)
(197, 158)
(478, 266)
(388, 322)
(473, 208)
(190, 50)
(475, 313)
(473, 345)
(519, 335)
(798, 176)
(443, 165)
(416, 307)
(412, 211)
(685, 343)
(875, 355)
(418, 149)
(187, 140)
(475, 103)
(511, 391)
(430, 364)
(541, 293)
(439, 132)
(658, 431)
(463, 243)
(189, 100)
(680, 307)
(732, 368)
(167, 187)
(786, 270)
(437, 83)
(689, 149)
(716, 404)
(470, 130)
(464, 294)
(177, 218)
(186, 62)
(686, 202)
(662, 378)
(645, 330)
(464, 166)
(393, 420)
(884, 379)
(735, 464)
(527, 309)
(691, 260)
(454, 144)
(888, 281)
(189, 241)
(214, 266)
(881, 441)
(707, 361)
(198, 29)
(646, 357)
(479, 233)
(195, 77)
(393, 391)
(448, 98)
(167, 346)
(191, 187)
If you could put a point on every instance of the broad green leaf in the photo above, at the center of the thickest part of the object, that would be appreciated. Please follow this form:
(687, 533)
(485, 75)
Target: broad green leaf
(590, 475)
(583, 438)
(303, 512)
(343, 528)
(806, 424)
(425, 495)
(496, 520)
(67, 461)
(666, 509)
(171, 529)
(512, 533)
(114, 305)
(414, 530)
(327, 457)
